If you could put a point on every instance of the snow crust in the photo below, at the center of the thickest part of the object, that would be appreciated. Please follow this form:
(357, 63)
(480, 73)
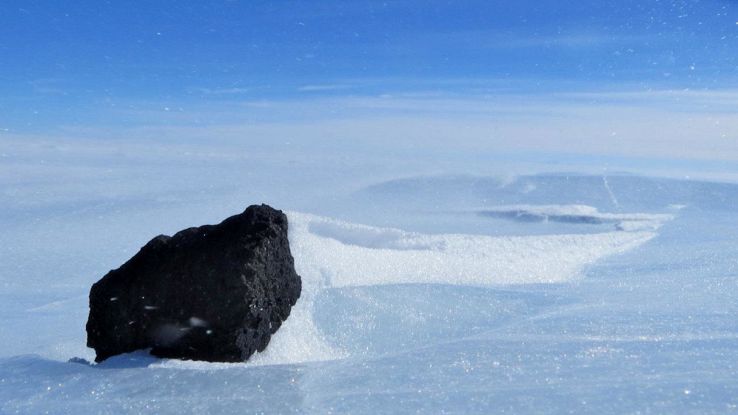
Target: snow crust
(332, 254)
(578, 214)
(344, 254)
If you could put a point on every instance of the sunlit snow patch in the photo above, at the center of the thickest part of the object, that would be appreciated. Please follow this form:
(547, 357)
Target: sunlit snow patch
(341, 254)
(330, 253)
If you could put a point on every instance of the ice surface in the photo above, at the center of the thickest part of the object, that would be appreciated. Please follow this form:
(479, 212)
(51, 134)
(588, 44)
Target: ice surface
(416, 298)
(577, 214)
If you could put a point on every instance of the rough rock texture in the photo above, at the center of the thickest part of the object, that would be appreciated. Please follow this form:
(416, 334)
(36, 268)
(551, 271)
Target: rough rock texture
(216, 293)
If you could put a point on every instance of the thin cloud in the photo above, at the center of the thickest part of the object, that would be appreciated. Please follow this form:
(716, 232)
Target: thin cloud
(491, 40)
(222, 91)
(321, 88)
(658, 124)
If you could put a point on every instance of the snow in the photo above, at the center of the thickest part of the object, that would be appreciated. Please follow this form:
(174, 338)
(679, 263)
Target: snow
(334, 254)
(423, 292)
(343, 254)
(578, 214)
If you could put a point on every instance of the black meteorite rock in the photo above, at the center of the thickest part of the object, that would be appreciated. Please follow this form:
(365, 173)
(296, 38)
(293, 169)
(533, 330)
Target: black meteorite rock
(216, 293)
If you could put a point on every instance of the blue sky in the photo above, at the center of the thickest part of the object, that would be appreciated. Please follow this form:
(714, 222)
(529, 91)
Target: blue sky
(171, 48)
(103, 66)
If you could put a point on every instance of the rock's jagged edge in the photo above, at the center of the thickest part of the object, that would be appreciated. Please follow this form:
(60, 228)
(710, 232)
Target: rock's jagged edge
(214, 292)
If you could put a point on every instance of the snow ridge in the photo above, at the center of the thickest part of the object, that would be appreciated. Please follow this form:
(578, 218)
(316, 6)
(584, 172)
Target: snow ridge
(331, 254)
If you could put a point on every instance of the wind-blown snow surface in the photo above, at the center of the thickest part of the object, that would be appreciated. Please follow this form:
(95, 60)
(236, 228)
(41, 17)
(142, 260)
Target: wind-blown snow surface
(546, 294)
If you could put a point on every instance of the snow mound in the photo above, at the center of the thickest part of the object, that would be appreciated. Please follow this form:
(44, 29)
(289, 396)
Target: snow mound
(332, 254)
(344, 254)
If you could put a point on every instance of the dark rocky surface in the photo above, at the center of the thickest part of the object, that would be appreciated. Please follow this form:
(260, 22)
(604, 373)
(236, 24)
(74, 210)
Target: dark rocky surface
(215, 292)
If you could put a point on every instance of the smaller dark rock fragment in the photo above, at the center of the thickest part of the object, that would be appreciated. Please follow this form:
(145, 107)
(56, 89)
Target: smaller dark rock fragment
(215, 292)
